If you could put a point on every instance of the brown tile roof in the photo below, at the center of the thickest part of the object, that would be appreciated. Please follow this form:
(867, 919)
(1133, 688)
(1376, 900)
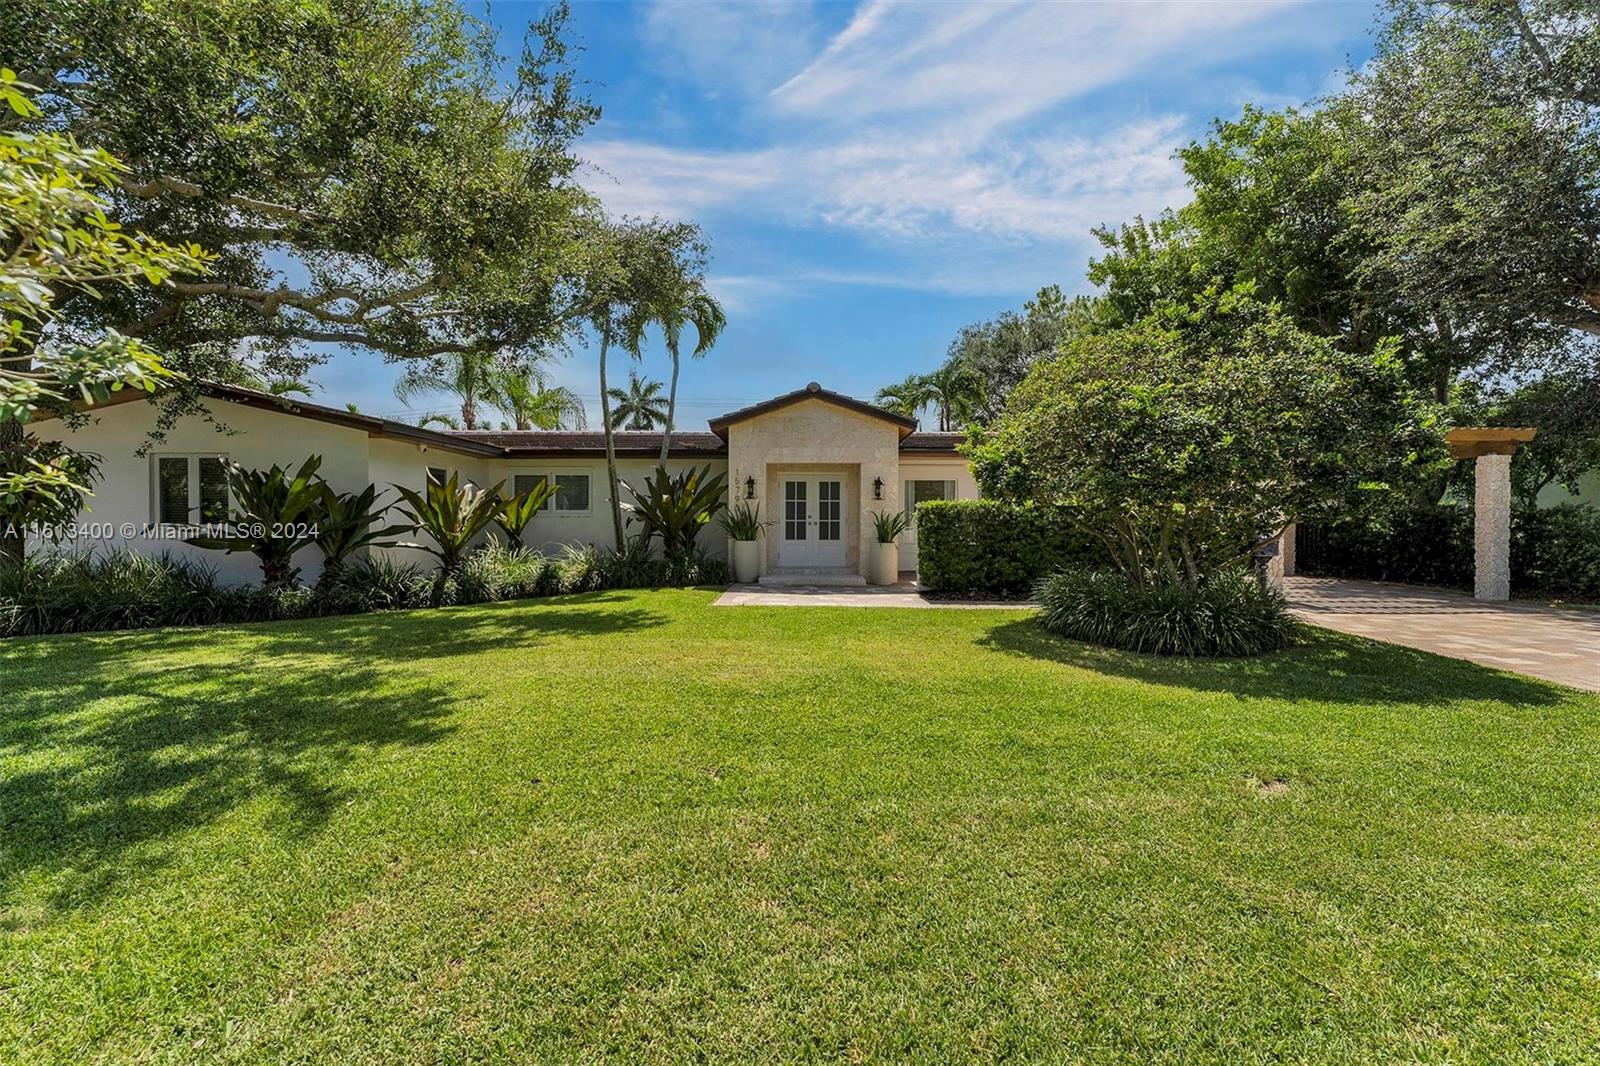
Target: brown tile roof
(812, 391)
(932, 443)
(631, 444)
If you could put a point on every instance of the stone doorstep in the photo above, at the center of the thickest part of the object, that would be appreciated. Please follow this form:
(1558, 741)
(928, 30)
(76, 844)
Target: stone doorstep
(812, 578)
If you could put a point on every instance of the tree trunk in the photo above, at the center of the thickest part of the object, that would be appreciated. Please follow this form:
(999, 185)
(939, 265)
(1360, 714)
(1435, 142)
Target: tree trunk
(672, 405)
(13, 537)
(611, 444)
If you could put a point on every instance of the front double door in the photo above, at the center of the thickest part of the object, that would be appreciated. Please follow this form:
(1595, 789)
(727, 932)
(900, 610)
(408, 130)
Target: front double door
(811, 529)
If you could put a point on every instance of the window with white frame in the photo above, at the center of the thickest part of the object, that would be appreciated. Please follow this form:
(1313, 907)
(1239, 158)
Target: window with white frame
(189, 489)
(571, 495)
(923, 491)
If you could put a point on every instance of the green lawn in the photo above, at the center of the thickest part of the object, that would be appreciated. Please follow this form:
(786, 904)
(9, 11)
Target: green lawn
(637, 826)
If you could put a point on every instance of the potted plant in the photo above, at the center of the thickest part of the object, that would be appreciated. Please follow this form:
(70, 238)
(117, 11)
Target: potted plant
(885, 568)
(742, 522)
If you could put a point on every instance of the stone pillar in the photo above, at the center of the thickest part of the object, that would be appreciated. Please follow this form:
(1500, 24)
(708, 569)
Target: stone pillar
(1286, 549)
(1491, 528)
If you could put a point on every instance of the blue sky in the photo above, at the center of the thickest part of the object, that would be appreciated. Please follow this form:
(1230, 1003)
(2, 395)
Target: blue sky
(874, 176)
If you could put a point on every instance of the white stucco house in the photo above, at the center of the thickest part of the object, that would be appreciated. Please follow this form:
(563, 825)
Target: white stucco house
(817, 462)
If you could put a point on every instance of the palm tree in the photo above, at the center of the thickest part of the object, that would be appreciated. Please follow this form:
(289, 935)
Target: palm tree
(677, 299)
(956, 390)
(641, 406)
(290, 386)
(471, 375)
(438, 420)
(906, 397)
(521, 392)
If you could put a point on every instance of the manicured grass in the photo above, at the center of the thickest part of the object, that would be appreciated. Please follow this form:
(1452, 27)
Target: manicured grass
(634, 825)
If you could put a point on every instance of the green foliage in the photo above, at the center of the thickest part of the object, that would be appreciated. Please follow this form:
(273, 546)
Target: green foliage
(60, 242)
(82, 592)
(1229, 614)
(1555, 551)
(887, 526)
(996, 548)
(371, 174)
(1480, 171)
(999, 353)
(452, 515)
(955, 390)
(275, 514)
(676, 507)
(743, 521)
(639, 407)
(523, 392)
(519, 510)
(1184, 442)
(42, 483)
(1565, 408)
(349, 522)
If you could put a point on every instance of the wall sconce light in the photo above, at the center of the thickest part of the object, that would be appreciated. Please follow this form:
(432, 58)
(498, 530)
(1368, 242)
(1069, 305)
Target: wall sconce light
(749, 488)
(877, 488)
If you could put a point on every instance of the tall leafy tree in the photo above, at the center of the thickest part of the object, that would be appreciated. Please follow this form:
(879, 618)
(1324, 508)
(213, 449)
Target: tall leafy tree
(59, 243)
(674, 297)
(524, 393)
(1002, 351)
(360, 167)
(907, 397)
(1184, 441)
(640, 406)
(1481, 178)
(954, 390)
(472, 376)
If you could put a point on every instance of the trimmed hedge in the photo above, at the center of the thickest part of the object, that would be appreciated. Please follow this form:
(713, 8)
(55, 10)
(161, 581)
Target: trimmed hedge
(994, 548)
(1231, 614)
(1555, 551)
(88, 591)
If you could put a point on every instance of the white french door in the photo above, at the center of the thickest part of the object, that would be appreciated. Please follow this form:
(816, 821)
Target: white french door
(811, 530)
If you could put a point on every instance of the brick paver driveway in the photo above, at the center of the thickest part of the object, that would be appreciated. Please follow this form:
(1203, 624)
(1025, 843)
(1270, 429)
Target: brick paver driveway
(1552, 643)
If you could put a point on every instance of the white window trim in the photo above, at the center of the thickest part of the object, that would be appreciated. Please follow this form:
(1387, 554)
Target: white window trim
(193, 517)
(549, 474)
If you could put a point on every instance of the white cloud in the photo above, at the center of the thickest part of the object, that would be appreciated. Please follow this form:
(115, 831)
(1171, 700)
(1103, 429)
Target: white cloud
(994, 63)
(908, 188)
(942, 132)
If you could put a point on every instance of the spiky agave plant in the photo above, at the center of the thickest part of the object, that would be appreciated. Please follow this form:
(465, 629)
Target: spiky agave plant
(518, 511)
(452, 515)
(274, 515)
(677, 507)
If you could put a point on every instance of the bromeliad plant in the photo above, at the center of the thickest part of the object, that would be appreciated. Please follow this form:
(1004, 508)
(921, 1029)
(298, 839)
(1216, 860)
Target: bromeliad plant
(889, 525)
(452, 515)
(347, 523)
(677, 507)
(518, 511)
(742, 521)
(275, 514)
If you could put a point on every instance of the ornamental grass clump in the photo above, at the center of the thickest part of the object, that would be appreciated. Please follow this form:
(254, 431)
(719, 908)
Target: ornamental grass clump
(1229, 614)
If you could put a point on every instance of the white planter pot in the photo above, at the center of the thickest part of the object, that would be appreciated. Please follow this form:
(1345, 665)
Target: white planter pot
(885, 569)
(746, 560)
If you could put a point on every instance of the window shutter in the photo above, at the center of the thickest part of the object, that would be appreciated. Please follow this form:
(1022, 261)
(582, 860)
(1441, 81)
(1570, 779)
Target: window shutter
(172, 489)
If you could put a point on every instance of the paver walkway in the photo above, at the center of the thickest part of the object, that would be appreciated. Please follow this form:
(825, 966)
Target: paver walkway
(904, 594)
(1556, 644)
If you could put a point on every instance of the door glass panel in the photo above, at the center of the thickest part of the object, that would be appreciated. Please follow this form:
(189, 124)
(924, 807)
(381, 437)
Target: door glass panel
(828, 510)
(794, 510)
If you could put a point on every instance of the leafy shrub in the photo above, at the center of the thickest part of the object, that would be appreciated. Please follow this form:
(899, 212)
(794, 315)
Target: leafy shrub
(378, 583)
(743, 521)
(499, 572)
(86, 591)
(990, 547)
(1229, 614)
(676, 507)
(1555, 551)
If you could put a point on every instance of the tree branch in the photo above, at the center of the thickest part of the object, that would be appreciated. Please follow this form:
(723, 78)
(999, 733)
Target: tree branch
(169, 185)
(1547, 63)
